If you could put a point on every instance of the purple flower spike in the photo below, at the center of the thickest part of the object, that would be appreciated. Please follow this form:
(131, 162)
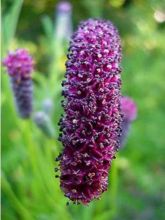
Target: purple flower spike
(91, 124)
(129, 110)
(19, 66)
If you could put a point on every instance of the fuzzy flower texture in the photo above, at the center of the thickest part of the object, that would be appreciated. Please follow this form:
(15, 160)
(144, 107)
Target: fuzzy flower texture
(91, 123)
(19, 66)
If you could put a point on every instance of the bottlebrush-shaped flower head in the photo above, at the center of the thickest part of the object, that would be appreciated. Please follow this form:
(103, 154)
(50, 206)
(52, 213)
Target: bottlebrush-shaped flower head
(19, 66)
(129, 110)
(91, 123)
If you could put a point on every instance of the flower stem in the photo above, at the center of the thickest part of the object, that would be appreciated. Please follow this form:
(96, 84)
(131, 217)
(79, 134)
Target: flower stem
(17, 205)
(113, 188)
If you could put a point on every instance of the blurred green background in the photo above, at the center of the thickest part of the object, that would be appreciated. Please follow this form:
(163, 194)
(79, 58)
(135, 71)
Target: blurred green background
(137, 178)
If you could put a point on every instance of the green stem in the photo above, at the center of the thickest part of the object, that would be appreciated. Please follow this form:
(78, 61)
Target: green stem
(10, 21)
(112, 199)
(43, 176)
(112, 196)
(113, 187)
(87, 211)
(17, 205)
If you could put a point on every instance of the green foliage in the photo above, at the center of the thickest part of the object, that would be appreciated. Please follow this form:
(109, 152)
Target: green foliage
(136, 189)
(10, 20)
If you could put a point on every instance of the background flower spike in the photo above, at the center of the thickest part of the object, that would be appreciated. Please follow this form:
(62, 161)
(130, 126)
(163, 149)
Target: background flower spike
(19, 66)
(91, 123)
(63, 22)
(129, 110)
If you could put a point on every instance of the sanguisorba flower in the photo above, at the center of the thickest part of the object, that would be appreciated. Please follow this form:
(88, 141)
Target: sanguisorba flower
(19, 66)
(129, 110)
(91, 123)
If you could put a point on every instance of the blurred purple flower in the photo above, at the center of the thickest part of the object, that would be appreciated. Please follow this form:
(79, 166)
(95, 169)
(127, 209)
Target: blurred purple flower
(19, 66)
(129, 110)
(91, 124)
(63, 29)
(64, 7)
